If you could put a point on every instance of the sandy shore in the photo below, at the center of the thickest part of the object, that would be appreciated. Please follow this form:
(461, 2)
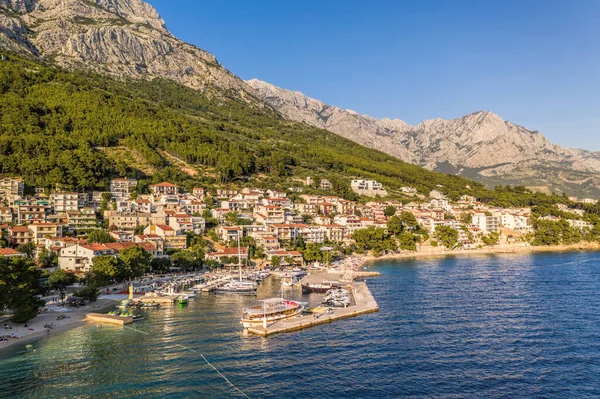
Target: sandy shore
(506, 249)
(35, 328)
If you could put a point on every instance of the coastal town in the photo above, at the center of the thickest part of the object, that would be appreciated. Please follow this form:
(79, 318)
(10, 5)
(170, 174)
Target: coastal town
(95, 239)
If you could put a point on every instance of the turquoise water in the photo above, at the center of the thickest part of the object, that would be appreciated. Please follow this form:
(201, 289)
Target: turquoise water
(484, 326)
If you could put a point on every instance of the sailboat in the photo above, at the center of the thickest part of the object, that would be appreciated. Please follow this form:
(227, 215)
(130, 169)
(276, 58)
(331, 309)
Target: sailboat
(241, 286)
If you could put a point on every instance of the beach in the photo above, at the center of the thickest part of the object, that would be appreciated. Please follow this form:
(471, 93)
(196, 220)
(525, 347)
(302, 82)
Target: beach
(74, 317)
(433, 252)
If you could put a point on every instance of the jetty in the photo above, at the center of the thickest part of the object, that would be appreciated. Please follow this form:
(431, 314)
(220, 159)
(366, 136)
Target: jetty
(108, 319)
(364, 303)
(159, 299)
(213, 285)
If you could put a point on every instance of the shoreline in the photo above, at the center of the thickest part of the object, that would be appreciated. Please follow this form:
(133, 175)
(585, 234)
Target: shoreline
(520, 249)
(76, 319)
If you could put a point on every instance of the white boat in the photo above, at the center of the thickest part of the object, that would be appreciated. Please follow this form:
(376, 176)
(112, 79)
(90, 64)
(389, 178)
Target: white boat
(241, 287)
(269, 311)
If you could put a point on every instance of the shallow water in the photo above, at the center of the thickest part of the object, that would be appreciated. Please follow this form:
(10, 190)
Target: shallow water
(482, 326)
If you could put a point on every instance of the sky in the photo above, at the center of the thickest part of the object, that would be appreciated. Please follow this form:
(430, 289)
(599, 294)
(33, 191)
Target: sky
(533, 62)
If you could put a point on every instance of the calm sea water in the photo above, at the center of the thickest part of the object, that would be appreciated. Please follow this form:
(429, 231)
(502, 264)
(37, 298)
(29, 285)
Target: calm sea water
(491, 326)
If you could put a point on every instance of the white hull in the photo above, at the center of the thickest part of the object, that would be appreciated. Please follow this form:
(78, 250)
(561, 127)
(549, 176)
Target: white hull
(247, 323)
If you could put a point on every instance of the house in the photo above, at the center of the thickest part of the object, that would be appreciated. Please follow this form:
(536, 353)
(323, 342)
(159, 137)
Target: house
(307, 209)
(10, 187)
(168, 234)
(267, 242)
(285, 255)
(41, 231)
(18, 235)
(9, 253)
(369, 188)
(227, 254)
(269, 214)
(6, 215)
(229, 233)
(84, 219)
(325, 185)
(69, 202)
(276, 194)
(164, 188)
(142, 205)
(121, 189)
(198, 193)
(78, 258)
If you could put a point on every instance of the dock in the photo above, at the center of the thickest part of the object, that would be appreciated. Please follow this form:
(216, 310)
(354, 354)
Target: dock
(108, 319)
(159, 299)
(365, 303)
(216, 284)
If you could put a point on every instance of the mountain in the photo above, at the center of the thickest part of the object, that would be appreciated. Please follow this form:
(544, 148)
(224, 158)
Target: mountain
(121, 38)
(481, 145)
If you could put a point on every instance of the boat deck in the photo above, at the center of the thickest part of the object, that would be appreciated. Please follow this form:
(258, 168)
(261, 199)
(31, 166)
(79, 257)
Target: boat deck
(365, 303)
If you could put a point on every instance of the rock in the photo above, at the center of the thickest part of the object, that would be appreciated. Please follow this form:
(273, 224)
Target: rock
(480, 145)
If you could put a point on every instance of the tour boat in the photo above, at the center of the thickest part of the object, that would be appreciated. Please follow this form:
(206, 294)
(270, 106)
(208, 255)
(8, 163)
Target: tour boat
(324, 286)
(269, 311)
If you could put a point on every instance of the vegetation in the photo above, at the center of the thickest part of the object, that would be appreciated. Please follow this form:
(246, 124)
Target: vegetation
(447, 236)
(19, 285)
(90, 293)
(99, 236)
(56, 125)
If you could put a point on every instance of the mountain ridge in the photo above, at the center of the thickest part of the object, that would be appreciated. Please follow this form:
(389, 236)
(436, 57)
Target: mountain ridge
(480, 145)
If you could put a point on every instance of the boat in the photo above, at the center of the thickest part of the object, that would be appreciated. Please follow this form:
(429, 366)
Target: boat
(269, 311)
(182, 299)
(237, 287)
(322, 287)
(138, 318)
(241, 287)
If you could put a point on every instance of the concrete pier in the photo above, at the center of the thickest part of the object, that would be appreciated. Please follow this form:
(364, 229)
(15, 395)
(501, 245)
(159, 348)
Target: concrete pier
(108, 319)
(159, 299)
(365, 303)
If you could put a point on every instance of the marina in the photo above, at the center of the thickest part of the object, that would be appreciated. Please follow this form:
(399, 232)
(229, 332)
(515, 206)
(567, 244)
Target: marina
(364, 303)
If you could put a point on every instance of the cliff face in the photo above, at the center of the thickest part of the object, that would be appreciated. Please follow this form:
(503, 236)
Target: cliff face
(481, 145)
(123, 38)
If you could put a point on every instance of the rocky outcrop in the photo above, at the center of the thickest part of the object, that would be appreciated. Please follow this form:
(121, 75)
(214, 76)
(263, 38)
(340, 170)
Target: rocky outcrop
(123, 38)
(481, 145)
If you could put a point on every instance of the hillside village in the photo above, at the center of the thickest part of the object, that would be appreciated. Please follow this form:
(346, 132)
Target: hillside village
(275, 227)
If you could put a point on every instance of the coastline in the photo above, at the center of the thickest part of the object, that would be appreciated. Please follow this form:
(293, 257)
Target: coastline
(505, 249)
(76, 319)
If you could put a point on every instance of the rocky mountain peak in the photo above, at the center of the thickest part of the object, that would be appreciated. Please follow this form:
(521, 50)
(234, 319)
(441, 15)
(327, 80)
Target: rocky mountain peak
(123, 38)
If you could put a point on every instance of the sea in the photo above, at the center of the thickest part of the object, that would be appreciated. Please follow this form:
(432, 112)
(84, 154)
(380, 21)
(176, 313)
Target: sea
(481, 326)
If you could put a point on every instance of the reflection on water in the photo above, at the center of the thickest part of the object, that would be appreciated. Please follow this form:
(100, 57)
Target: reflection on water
(496, 326)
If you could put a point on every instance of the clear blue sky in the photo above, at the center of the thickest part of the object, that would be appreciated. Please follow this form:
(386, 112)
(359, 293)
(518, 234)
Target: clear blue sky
(534, 62)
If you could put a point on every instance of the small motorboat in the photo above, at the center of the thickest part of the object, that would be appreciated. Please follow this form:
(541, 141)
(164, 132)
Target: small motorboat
(182, 299)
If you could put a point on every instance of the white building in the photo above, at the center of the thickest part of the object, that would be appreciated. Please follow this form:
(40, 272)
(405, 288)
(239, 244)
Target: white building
(369, 188)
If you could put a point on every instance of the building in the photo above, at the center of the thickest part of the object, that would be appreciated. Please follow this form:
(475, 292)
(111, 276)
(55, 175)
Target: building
(121, 189)
(226, 254)
(164, 188)
(10, 187)
(325, 185)
(369, 188)
(41, 231)
(168, 234)
(486, 223)
(18, 235)
(79, 258)
(69, 202)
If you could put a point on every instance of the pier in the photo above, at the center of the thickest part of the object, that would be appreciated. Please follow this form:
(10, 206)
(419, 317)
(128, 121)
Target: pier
(213, 285)
(364, 303)
(108, 319)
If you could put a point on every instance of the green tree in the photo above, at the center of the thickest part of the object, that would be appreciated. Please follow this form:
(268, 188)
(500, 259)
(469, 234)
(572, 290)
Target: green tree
(491, 238)
(160, 264)
(27, 249)
(137, 261)
(60, 279)
(395, 226)
(447, 236)
(105, 269)
(407, 242)
(276, 261)
(19, 285)
(90, 293)
(99, 236)
(389, 211)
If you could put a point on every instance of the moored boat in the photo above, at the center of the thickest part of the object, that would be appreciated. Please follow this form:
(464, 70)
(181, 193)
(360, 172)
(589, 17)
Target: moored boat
(182, 299)
(322, 287)
(269, 311)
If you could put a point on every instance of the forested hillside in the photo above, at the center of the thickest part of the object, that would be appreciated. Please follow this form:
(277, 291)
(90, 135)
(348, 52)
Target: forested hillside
(54, 123)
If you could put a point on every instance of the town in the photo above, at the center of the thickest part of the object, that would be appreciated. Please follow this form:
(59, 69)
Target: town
(276, 227)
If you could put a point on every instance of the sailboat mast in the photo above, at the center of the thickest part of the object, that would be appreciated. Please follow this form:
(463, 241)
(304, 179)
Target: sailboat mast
(239, 256)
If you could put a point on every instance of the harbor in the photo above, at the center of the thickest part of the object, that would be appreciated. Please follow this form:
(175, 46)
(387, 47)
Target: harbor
(363, 303)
